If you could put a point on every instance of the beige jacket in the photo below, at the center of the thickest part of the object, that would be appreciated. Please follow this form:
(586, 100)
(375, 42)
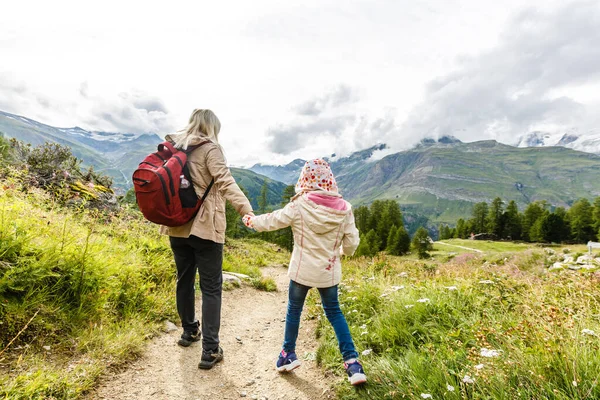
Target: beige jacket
(321, 235)
(205, 163)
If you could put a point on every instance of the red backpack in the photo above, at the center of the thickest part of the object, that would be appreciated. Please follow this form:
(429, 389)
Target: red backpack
(163, 186)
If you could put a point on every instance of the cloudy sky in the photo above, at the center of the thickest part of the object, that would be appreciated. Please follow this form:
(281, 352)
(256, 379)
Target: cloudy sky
(304, 79)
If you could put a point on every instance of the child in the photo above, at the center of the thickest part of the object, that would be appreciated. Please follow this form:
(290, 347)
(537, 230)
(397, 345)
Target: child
(322, 223)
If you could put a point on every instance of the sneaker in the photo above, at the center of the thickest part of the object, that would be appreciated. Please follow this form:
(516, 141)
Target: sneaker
(356, 374)
(287, 361)
(210, 358)
(187, 338)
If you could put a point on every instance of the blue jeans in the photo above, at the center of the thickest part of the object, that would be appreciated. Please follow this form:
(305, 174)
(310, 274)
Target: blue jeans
(331, 305)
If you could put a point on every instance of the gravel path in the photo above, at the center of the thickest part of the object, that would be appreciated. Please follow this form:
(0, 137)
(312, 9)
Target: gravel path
(251, 335)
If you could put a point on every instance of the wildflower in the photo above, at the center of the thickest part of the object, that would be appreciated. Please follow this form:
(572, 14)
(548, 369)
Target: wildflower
(575, 383)
(366, 352)
(424, 300)
(384, 295)
(450, 388)
(396, 288)
(403, 275)
(588, 332)
(451, 287)
(468, 379)
(409, 306)
(363, 326)
(354, 311)
(426, 396)
(479, 366)
(489, 352)
(486, 282)
(364, 333)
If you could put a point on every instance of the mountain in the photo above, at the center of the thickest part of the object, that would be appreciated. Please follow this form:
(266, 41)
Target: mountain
(443, 178)
(588, 142)
(115, 154)
(283, 173)
(253, 182)
(118, 154)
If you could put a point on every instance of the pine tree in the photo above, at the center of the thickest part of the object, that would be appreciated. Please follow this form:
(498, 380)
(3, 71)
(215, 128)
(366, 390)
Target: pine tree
(262, 200)
(461, 229)
(596, 216)
(391, 216)
(531, 214)
(512, 222)
(580, 216)
(480, 212)
(495, 217)
(421, 242)
(369, 244)
(390, 240)
(361, 218)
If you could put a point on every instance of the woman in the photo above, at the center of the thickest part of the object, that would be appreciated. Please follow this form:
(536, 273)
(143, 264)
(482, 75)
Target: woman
(198, 245)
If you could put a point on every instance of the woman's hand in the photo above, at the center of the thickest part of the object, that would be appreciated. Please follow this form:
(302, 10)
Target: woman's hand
(247, 219)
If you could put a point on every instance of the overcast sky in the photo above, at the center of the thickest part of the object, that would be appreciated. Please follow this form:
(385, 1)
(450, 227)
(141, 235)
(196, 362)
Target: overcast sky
(304, 79)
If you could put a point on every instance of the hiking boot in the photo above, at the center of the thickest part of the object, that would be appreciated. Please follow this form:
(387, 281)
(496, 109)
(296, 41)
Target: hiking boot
(356, 374)
(287, 361)
(210, 358)
(187, 338)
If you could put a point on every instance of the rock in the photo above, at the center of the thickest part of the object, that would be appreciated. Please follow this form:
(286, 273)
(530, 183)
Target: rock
(232, 279)
(241, 276)
(584, 259)
(243, 394)
(549, 251)
(556, 266)
(169, 326)
(47, 348)
(239, 339)
(589, 266)
(568, 260)
(250, 382)
(574, 267)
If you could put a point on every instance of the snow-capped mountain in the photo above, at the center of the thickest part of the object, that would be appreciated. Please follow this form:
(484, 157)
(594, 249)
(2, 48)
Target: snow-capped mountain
(588, 142)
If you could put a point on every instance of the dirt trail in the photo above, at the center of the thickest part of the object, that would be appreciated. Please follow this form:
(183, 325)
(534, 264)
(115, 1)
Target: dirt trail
(168, 371)
(460, 247)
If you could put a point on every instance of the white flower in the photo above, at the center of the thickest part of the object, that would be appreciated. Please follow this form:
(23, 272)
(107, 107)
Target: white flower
(451, 287)
(489, 352)
(426, 396)
(450, 388)
(486, 282)
(588, 332)
(468, 379)
(366, 352)
(364, 333)
(403, 274)
(409, 306)
(575, 383)
(396, 288)
(479, 366)
(354, 311)
(384, 295)
(424, 300)
(363, 326)
(354, 298)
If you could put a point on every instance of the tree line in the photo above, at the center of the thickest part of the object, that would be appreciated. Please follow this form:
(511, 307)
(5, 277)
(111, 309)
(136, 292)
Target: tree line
(539, 222)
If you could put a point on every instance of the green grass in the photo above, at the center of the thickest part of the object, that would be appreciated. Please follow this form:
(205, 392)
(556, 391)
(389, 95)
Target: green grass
(80, 293)
(503, 299)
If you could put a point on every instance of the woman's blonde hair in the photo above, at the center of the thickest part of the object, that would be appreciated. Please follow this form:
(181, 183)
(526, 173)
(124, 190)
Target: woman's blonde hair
(203, 124)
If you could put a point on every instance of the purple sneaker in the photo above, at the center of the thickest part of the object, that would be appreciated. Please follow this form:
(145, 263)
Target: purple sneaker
(287, 361)
(356, 374)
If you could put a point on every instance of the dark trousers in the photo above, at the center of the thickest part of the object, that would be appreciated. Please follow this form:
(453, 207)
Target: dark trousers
(194, 254)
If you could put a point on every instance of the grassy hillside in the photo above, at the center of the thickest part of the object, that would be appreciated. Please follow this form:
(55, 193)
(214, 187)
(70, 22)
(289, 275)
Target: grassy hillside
(81, 291)
(253, 182)
(492, 325)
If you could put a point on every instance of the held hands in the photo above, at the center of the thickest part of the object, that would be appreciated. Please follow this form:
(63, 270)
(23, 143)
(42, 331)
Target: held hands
(247, 219)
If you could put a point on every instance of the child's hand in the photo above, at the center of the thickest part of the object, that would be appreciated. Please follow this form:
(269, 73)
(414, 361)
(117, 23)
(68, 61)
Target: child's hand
(247, 219)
